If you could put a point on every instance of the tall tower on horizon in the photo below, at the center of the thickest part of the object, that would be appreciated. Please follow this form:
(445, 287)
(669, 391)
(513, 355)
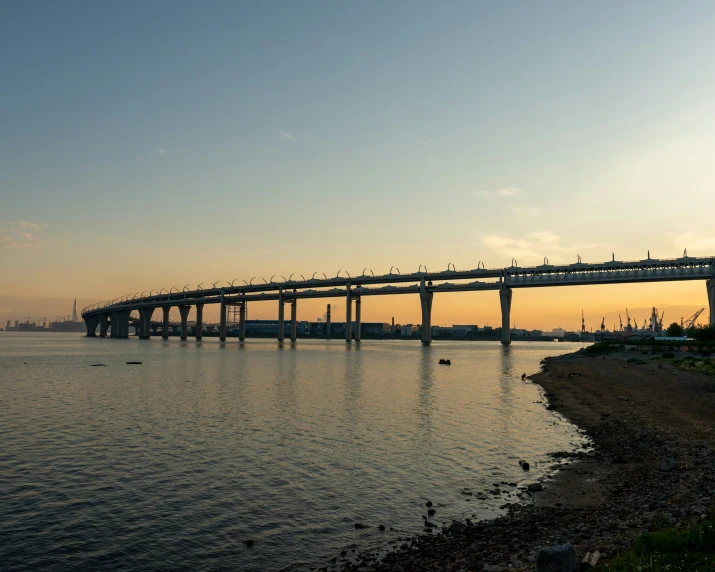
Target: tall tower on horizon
(74, 311)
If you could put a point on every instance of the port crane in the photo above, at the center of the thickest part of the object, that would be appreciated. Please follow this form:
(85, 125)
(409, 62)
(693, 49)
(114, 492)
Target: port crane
(690, 322)
(620, 321)
(603, 324)
(583, 323)
(629, 328)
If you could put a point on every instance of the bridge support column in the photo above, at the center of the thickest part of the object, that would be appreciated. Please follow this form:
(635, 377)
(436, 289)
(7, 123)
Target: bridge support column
(293, 320)
(145, 323)
(357, 318)
(242, 322)
(711, 299)
(348, 316)
(120, 325)
(426, 301)
(103, 326)
(91, 323)
(328, 323)
(184, 312)
(505, 299)
(281, 317)
(222, 321)
(165, 322)
(114, 325)
(199, 330)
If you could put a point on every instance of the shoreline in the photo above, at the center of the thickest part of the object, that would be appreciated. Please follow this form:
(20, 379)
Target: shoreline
(653, 463)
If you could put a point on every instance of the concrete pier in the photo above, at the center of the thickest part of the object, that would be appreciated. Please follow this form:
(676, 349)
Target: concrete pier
(103, 326)
(222, 320)
(293, 320)
(242, 322)
(184, 312)
(119, 324)
(199, 331)
(165, 322)
(426, 302)
(710, 283)
(505, 300)
(281, 317)
(91, 323)
(357, 318)
(145, 315)
(348, 316)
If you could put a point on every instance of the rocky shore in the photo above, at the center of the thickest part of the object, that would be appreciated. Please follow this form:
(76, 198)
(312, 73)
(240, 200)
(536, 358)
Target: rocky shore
(653, 428)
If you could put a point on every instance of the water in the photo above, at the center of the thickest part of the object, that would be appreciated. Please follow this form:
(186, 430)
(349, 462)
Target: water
(174, 463)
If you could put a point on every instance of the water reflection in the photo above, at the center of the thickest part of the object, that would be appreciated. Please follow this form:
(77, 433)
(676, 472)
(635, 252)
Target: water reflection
(289, 448)
(426, 381)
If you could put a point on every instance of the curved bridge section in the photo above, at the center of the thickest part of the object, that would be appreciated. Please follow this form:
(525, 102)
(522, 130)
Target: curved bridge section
(116, 313)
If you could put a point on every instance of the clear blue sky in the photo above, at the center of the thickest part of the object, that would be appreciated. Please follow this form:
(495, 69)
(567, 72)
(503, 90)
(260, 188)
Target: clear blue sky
(195, 141)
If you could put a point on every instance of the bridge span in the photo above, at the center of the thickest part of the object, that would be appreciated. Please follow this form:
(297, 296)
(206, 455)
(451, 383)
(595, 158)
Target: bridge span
(114, 315)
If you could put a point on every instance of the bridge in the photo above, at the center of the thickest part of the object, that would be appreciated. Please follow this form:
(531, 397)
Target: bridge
(426, 284)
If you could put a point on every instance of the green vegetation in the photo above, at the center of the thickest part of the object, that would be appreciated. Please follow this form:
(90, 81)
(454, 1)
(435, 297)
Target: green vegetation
(674, 330)
(690, 548)
(636, 360)
(704, 333)
(599, 347)
(692, 363)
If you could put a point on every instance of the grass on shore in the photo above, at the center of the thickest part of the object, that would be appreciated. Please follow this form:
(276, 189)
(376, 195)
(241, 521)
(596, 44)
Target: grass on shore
(684, 549)
(694, 364)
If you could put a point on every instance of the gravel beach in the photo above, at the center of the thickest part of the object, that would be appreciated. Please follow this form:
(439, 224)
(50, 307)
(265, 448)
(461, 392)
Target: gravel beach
(652, 425)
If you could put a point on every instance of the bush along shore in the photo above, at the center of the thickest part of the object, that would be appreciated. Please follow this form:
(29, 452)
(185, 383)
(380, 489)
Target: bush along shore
(652, 423)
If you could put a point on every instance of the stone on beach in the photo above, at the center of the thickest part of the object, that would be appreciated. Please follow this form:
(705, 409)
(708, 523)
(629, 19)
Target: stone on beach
(559, 558)
(667, 464)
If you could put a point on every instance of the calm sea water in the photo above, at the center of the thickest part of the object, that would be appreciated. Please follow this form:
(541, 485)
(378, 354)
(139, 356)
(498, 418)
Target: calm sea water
(175, 463)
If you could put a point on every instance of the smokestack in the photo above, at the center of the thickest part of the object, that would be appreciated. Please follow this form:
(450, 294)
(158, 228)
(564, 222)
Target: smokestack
(74, 311)
(392, 328)
(327, 323)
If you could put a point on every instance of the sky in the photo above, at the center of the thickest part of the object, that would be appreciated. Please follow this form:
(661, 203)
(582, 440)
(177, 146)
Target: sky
(162, 143)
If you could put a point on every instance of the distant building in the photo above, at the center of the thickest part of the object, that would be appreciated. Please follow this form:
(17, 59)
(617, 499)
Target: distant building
(438, 331)
(462, 330)
(407, 330)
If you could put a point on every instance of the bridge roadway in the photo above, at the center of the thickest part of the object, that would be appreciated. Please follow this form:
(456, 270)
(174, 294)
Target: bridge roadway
(117, 312)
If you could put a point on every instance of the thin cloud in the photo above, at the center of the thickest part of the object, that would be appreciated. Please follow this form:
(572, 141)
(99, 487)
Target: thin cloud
(286, 135)
(696, 244)
(24, 235)
(533, 247)
(163, 151)
(526, 211)
(496, 193)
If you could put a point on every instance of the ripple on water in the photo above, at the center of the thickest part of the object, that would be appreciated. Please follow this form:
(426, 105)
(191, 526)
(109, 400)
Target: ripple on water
(174, 464)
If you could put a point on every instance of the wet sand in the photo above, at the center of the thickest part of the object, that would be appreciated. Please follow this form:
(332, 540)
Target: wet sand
(653, 464)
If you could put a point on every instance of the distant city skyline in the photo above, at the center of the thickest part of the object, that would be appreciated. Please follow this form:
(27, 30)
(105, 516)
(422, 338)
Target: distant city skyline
(150, 145)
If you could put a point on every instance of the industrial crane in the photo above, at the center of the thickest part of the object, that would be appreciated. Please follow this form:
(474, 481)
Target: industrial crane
(690, 322)
(583, 323)
(620, 321)
(629, 328)
(603, 324)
